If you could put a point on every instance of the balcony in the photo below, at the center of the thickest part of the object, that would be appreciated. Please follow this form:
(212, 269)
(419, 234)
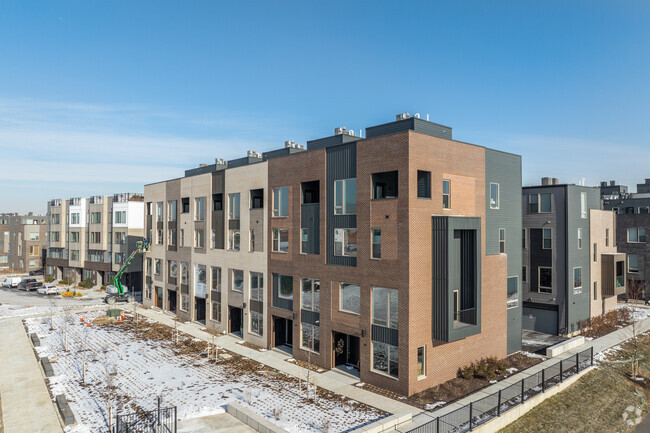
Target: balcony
(464, 317)
(127, 196)
(613, 276)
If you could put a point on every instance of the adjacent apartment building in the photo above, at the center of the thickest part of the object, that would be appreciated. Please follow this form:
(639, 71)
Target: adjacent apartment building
(23, 242)
(632, 222)
(91, 238)
(397, 255)
(571, 270)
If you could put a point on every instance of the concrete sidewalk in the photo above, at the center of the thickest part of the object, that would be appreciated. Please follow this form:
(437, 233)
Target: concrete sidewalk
(599, 345)
(332, 380)
(26, 403)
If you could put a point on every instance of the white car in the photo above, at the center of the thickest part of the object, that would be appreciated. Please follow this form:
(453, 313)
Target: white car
(48, 289)
(11, 282)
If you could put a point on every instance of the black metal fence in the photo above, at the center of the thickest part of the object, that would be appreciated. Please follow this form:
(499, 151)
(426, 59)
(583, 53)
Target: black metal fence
(160, 420)
(481, 411)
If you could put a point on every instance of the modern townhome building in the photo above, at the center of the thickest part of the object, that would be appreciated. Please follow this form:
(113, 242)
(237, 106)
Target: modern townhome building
(632, 222)
(208, 261)
(396, 255)
(23, 242)
(564, 237)
(91, 238)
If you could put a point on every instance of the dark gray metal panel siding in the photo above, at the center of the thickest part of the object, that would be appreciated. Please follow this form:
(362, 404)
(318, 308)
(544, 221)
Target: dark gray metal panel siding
(240, 162)
(280, 153)
(334, 140)
(540, 320)
(279, 302)
(539, 257)
(505, 169)
(624, 222)
(440, 266)
(218, 217)
(413, 124)
(310, 219)
(341, 164)
(309, 317)
(381, 334)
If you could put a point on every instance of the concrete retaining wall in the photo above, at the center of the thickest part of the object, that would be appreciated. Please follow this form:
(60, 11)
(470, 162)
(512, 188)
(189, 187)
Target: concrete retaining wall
(385, 424)
(252, 419)
(565, 346)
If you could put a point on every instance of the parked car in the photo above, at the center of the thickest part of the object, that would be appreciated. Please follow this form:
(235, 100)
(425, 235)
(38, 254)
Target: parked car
(36, 272)
(11, 282)
(25, 282)
(32, 286)
(48, 289)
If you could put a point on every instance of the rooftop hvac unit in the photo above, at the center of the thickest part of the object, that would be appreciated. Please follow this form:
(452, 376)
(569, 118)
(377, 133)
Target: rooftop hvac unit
(289, 143)
(203, 165)
(253, 154)
(402, 116)
(340, 130)
(351, 132)
(219, 161)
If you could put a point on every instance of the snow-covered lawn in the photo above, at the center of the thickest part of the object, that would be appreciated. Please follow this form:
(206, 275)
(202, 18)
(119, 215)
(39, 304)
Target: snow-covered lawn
(638, 312)
(141, 369)
(7, 311)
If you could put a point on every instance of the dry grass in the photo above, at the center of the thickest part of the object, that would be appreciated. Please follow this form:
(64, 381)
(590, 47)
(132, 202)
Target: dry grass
(596, 402)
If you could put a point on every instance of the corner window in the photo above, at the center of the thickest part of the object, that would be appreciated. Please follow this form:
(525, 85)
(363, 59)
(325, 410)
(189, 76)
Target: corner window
(376, 243)
(385, 307)
(345, 242)
(579, 238)
(424, 184)
(546, 239)
(285, 287)
(533, 203)
(545, 279)
(632, 263)
(494, 196)
(281, 240)
(345, 196)
(577, 281)
(237, 280)
(281, 201)
(446, 194)
(502, 241)
(384, 185)
(233, 206)
(310, 294)
(350, 298)
(583, 205)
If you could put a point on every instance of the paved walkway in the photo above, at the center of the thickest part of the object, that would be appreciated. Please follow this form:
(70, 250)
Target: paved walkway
(26, 402)
(598, 344)
(332, 380)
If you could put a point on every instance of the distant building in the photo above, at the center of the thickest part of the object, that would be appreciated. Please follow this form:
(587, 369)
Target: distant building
(23, 240)
(561, 223)
(632, 224)
(90, 238)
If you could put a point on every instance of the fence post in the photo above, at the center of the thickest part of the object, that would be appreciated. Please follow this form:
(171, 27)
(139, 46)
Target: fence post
(577, 363)
(499, 405)
(175, 420)
(438, 425)
(470, 416)
(543, 380)
(561, 378)
(158, 415)
(591, 355)
(522, 391)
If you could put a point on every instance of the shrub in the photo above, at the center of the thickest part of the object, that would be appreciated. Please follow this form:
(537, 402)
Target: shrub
(66, 282)
(468, 371)
(487, 368)
(49, 279)
(87, 283)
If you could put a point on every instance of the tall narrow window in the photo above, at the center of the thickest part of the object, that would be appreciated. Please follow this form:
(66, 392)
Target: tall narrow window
(583, 205)
(385, 307)
(171, 210)
(632, 263)
(546, 200)
(310, 294)
(304, 240)
(251, 246)
(533, 203)
(606, 237)
(199, 210)
(524, 274)
(595, 252)
(233, 206)
(494, 196)
(424, 184)
(446, 194)
(199, 238)
(577, 281)
(237, 283)
(376, 243)
(545, 279)
(159, 214)
(595, 290)
(421, 361)
(345, 196)
(502, 241)
(281, 240)
(185, 201)
(546, 239)
(513, 292)
(233, 239)
(281, 201)
(523, 238)
(579, 238)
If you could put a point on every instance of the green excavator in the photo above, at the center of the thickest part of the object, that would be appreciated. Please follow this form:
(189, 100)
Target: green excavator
(114, 291)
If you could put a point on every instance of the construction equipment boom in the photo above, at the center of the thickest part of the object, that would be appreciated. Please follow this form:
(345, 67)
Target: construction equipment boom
(118, 293)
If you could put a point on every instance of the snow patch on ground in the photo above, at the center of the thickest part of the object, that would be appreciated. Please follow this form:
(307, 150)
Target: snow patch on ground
(638, 312)
(432, 406)
(532, 355)
(141, 370)
(602, 356)
(512, 370)
(7, 311)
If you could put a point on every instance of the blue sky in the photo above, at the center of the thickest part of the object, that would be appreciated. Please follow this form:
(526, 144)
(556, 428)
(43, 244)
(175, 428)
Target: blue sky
(100, 97)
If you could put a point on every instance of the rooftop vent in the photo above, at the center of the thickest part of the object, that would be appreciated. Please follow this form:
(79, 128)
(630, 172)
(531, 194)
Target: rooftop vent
(612, 183)
(402, 116)
(253, 154)
(603, 184)
(647, 181)
(550, 181)
(203, 165)
(220, 161)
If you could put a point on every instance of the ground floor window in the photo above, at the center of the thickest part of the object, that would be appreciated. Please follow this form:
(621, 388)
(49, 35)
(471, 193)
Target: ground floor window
(32, 263)
(257, 323)
(147, 291)
(88, 275)
(310, 338)
(185, 302)
(385, 358)
(50, 270)
(421, 362)
(216, 311)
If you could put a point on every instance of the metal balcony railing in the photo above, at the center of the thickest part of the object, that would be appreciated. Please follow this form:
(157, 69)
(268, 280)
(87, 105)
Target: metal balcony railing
(467, 316)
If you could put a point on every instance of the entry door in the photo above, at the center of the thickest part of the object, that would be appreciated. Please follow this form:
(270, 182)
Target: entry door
(200, 309)
(171, 300)
(346, 349)
(159, 297)
(236, 319)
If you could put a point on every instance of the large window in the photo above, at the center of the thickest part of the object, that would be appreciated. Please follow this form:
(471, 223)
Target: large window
(281, 201)
(502, 241)
(233, 206)
(95, 217)
(310, 338)
(171, 237)
(376, 243)
(545, 279)
(184, 273)
(171, 210)
(201, 277)
(281, 240)
(56, 218)
(185, 203)
(257, 323)
(216, 279)
(237, 280)
(636, 235)
(546, 203)
(199, 209)
(95, 237)
(234, 239)
(632, 263)
(159, 211)
(577, 281)
(74, 218)
(345, 242)
(494, 196)
(384, 185)
(257, 198)
(424, 184)
(120, 238)
(74, 236)
(172, 269)
(350, 298)
(583, 205)
(257, 287)
(385, 307)
(446, 194)
(34, 250)
(199, 238)
(120, 217)
(285, 286)
(345, 196)
(547, 242)
(385, 358)
(533, 203)
(310, 294)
